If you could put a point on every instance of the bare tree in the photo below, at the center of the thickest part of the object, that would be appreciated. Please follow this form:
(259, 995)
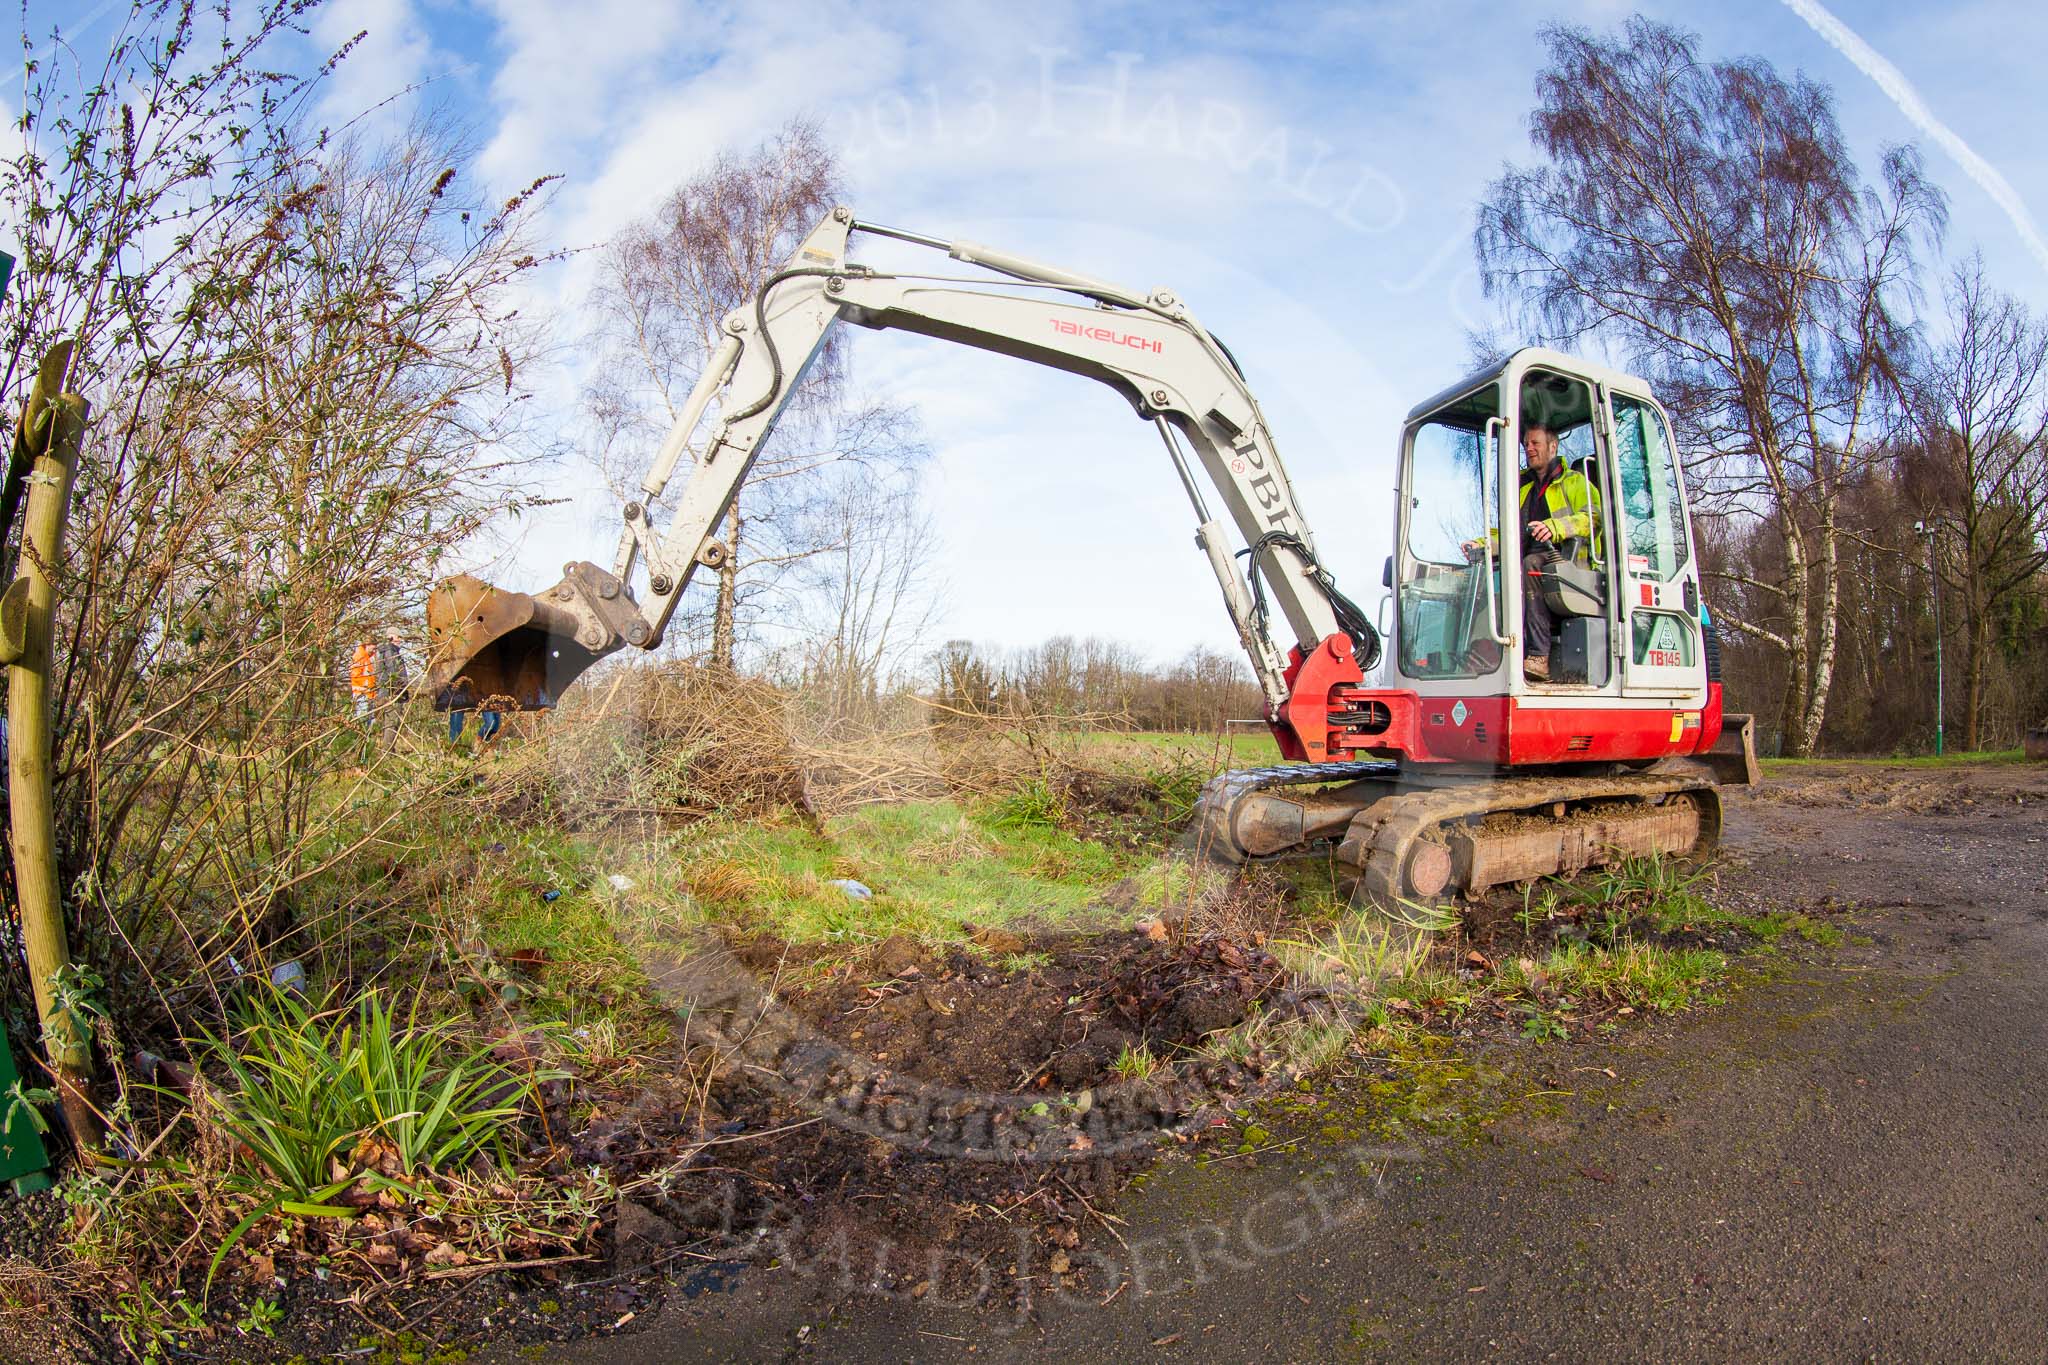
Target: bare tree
(1205, 689)
(303, 362)
(666, 286)
(1979, 403)
(965, 679)
(1709, 220)
(862, 606)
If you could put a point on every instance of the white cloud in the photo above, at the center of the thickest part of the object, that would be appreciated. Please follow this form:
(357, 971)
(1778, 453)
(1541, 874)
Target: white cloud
(375, 86)
(1309, 242)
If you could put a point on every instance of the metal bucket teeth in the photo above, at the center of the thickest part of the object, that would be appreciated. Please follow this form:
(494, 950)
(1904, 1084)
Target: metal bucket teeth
(495, 649)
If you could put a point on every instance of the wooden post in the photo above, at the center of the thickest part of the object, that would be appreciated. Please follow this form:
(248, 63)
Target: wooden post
(46, 447)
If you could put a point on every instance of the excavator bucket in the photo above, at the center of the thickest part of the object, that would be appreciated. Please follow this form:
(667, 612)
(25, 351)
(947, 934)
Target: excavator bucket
(493, 649)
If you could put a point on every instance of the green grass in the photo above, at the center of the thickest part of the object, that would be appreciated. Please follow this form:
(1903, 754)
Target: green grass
(1135, 1063)
(1035, 805)
(932, 865)
(1314, 889)
(1977, 756)
(1767, 928)
(1636, 974)
(1775, 925)
(1177, 882)
(1367, 950)
(937, 867)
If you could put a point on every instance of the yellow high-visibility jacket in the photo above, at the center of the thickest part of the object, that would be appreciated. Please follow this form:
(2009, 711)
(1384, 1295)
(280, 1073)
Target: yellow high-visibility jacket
(1573, 507)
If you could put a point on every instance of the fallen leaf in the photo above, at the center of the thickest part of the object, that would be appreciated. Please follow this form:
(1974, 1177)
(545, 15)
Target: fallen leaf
(1595, 1173)
(1168, 1341)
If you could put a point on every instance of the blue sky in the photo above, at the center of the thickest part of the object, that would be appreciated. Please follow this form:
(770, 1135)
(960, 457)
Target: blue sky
(1303, 175)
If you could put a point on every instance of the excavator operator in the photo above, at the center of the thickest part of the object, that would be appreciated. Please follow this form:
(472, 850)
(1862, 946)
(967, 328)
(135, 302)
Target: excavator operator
(1559, 506)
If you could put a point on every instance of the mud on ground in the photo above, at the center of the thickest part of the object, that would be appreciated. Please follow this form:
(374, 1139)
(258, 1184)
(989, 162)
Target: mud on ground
(989, 1101)
(1989, 790)
(735, 1172)
(1785, 1172)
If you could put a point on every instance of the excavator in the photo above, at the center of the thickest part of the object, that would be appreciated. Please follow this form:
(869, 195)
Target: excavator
(1453, 769)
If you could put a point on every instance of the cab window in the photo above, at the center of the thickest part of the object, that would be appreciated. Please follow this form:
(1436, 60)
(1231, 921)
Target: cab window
(1652, 510)
(1449, 598)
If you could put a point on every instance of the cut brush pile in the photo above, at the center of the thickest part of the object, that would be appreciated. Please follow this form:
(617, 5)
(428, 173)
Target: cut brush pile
(665, 744)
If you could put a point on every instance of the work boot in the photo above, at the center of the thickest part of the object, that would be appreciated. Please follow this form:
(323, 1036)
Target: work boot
(1536, 668)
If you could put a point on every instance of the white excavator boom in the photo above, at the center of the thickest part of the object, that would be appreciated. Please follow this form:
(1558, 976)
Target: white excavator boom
(1148, 347)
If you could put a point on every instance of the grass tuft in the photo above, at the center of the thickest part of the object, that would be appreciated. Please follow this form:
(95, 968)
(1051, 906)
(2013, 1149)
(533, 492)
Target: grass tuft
(314, 1090)
(1034, 805)
(1135, 1063)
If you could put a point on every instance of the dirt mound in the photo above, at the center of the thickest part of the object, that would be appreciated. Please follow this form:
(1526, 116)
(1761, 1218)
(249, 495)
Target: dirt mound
(1119, 810)
(887, 1069)
(1062, 1019)
(1908, 792)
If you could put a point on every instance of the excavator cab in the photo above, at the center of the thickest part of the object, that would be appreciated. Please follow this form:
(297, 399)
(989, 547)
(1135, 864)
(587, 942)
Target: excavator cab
(1466, 595)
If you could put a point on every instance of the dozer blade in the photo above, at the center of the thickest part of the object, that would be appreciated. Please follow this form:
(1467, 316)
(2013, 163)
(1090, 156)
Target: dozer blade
(494, 649)
(1733, 757)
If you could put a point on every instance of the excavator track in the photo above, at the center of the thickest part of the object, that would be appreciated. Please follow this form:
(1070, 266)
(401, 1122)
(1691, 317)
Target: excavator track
(1427, 836)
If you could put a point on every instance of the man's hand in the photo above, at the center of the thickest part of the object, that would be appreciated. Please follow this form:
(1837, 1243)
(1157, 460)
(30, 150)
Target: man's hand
(1472, 548)
(1540, 530)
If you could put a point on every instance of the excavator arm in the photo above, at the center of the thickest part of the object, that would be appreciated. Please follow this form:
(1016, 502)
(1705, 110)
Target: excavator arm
(1149, 348)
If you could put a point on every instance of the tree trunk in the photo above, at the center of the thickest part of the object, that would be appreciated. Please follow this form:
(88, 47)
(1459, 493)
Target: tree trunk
(52, 427)
(723, 614)
(1792, 712)
(1816, 704)
(1976, 654)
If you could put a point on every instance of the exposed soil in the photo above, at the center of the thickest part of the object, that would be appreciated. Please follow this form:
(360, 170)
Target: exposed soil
(1840, 1163)
(1989, 791)
(1118, 810)
(963, 1020)
(740, 1172)
(1017, 1063)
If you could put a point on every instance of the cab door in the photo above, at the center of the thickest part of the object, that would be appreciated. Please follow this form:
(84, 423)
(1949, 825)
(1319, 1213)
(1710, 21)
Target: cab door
(1657, 614)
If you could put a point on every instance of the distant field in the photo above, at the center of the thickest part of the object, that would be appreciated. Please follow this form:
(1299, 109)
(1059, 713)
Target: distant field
(1241, 747)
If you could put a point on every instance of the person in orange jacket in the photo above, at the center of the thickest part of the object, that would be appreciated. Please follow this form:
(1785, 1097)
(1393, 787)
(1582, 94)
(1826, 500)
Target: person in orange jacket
(362, 681)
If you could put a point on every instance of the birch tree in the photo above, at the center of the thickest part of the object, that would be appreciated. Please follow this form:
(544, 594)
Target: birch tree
(665, 286)
(1706, 220)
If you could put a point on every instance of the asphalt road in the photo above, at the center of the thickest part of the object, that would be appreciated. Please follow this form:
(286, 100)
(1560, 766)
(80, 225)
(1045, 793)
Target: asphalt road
(1846, 1160)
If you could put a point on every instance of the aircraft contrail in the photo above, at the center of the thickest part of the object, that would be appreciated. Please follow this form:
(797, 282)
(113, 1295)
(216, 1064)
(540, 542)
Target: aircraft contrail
(1893, 82)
